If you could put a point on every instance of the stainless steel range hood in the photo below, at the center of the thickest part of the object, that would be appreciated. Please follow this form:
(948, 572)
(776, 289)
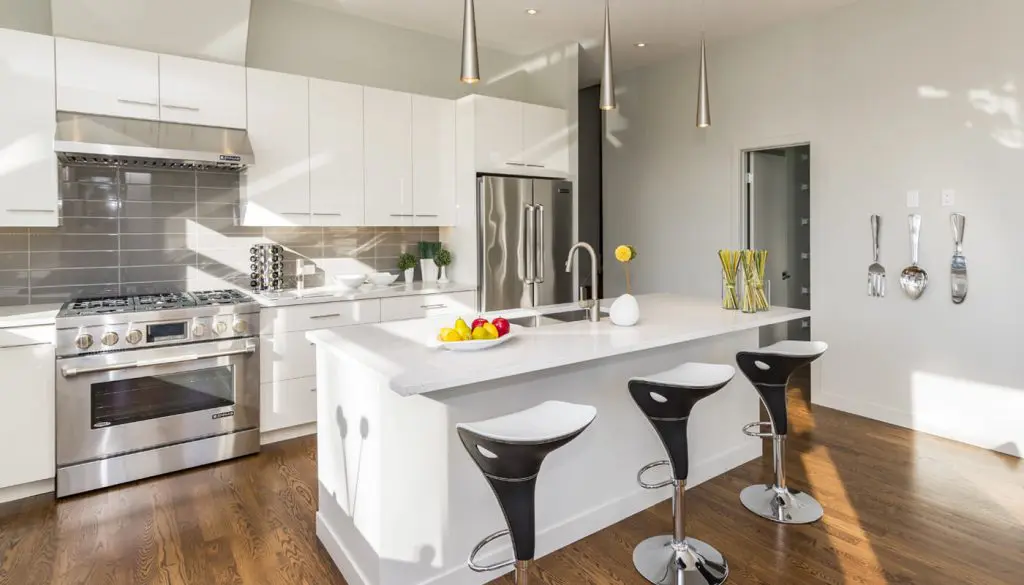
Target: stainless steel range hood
(105, 140)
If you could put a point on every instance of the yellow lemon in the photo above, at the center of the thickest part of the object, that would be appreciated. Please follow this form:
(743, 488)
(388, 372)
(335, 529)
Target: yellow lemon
(492, 331)
(625, 253)
(449, 335)
(480, 333)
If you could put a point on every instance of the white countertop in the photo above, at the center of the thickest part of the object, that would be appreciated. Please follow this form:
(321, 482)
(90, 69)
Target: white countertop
(330, 294)
(28, 315)
(406, 353)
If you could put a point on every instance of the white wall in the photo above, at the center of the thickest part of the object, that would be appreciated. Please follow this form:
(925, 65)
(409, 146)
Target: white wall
(293, 37)
(892, 96)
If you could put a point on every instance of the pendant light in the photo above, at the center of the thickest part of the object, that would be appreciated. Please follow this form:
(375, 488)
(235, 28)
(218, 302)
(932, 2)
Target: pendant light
(703, 102)
(607, 83)
(470, 57)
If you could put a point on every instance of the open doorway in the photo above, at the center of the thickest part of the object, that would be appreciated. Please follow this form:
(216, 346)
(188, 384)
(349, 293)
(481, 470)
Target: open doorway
(777, 218)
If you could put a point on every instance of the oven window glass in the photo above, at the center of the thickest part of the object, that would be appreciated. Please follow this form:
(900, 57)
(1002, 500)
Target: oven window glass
(126, 401)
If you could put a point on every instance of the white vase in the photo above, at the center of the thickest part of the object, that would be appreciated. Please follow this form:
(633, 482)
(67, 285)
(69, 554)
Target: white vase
(444, 276)
(625, 311)
(428, 269)
(410, 275)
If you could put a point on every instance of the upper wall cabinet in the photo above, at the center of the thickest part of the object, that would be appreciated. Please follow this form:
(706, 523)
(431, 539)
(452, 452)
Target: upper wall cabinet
(202, 92)
(106, 80)
(28, 181)
(276, 187)
(387, 148)
(514, 137)
(113, 81)
(433, 161)
(335, 153)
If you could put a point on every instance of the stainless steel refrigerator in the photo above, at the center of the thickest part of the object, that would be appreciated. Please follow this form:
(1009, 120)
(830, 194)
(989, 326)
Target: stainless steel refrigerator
(525, 236)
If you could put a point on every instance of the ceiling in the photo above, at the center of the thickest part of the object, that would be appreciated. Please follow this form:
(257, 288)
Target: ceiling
(667, 26)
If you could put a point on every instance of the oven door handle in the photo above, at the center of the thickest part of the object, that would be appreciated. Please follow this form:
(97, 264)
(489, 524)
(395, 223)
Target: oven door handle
(71, 372)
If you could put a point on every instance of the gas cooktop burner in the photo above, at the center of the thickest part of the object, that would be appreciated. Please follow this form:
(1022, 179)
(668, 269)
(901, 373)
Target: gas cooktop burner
(151, 302)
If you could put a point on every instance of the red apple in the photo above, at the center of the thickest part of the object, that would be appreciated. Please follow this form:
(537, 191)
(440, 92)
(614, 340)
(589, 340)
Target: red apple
(479, 322)
(501, 324)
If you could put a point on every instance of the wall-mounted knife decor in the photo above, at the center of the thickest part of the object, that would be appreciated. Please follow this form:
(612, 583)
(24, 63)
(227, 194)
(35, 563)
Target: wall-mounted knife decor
(958, 269)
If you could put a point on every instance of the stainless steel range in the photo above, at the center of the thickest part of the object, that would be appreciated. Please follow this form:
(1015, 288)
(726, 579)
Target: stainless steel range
(151, 384)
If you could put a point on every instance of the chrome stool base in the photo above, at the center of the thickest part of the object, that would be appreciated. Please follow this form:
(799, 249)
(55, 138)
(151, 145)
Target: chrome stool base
(698, 564)
(781, 505)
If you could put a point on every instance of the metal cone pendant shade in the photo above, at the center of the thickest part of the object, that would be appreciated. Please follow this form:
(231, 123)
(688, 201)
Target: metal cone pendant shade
(703, 102)
(470, 56)
(607, 83)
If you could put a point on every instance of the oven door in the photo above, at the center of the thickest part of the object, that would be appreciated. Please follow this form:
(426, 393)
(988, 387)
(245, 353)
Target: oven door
(132, 400)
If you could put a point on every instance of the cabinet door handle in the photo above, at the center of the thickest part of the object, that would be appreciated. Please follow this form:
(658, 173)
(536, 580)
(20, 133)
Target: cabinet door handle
(402, 215)
(18, 210)
(536, 166)
(137, 102)
(327, 316)
(294, 213)
(516, 164)
(426, 215)
(312, 389)
(336, 214)
(441, 306)
(175, 107)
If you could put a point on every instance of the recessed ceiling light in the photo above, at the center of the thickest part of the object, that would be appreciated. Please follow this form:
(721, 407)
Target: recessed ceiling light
(531, 11)
(641, 45)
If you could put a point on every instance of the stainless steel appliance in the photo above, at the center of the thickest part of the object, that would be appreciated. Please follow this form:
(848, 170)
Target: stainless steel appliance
(107, 140)
(151, 384)
(526, 232)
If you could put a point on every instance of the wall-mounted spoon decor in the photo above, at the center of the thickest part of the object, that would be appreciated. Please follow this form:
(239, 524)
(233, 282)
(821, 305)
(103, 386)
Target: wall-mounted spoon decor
(914, 279)
(958, 269)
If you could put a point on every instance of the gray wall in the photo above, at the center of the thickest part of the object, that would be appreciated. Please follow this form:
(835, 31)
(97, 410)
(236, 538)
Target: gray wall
(26, 15)
(130, 231)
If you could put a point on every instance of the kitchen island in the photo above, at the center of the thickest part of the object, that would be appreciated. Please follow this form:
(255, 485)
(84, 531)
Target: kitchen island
(400, 501)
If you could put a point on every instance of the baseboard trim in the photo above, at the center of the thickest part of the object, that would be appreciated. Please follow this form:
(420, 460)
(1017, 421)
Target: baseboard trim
(893, 416)
(286, 434)
(336, 550)
(26, 490)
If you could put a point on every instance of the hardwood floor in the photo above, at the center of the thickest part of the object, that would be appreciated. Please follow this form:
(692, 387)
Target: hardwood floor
(900, 508)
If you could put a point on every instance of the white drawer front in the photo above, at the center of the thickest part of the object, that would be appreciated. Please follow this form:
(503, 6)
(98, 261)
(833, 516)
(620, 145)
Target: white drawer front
(287, 403)
(319, 316)
(415, 307)
(285, 356)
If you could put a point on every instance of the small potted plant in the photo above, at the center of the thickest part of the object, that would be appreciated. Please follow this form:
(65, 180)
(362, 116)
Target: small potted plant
(428, 269)
(407, 264)
(443, 259)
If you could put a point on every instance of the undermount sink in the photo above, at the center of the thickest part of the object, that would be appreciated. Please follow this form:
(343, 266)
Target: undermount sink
(569, 316)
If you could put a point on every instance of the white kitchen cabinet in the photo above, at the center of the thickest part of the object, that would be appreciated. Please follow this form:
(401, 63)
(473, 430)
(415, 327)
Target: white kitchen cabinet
(499, 134)
(110, 81)
(318, 316)
(287, 403)
(387, 148)
(28, 165)
(276, 187)
(284, 356)
(545, 138)
(433, 161)
(419, 306)
(202, 92)
(27, 426)
(336, 153)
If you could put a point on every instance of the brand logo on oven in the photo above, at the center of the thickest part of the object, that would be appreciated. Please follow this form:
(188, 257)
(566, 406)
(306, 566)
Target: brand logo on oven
(224, 414)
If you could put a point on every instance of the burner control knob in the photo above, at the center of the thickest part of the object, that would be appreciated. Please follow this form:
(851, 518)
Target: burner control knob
(198, 330)
(83, 341)
(220, 328)
(240, 327)
(134, 336)
(109, 338)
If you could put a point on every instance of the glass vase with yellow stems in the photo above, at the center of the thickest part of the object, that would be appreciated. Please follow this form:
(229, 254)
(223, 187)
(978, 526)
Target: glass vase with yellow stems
(754, 297)
(625, 311)
(730, 267)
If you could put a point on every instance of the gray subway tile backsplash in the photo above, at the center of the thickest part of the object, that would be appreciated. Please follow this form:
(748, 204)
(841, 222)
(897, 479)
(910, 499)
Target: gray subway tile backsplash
(133, 231)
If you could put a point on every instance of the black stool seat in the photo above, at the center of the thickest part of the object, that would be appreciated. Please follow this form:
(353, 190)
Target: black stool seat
(667, 399)
(509, 450)
(769, 370)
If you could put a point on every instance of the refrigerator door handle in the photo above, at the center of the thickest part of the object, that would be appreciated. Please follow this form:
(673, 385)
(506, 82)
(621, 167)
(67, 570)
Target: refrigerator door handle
(538, 212)
(531, 243)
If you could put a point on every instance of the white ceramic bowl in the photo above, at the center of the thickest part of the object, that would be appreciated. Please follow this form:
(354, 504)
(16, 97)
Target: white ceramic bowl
(382, 278)
(349, 280)
(476, 344)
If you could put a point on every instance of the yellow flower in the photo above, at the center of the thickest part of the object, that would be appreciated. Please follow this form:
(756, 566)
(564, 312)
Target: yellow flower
(625, 253)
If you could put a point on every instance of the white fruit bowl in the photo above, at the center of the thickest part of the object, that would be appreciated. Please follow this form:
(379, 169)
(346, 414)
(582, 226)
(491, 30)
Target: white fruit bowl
(476, 344)
(350, 280)
(382, 278)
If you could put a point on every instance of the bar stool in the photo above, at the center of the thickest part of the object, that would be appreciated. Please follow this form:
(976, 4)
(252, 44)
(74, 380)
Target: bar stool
(769, 369)
(509, 451)
(667, 399)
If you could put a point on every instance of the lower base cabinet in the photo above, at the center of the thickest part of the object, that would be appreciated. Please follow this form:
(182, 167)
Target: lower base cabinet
(27, 425)
(287, 403)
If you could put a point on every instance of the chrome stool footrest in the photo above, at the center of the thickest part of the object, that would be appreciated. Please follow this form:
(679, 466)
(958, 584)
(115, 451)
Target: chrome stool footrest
(769, 434)
(648, 467)
(480, 546)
